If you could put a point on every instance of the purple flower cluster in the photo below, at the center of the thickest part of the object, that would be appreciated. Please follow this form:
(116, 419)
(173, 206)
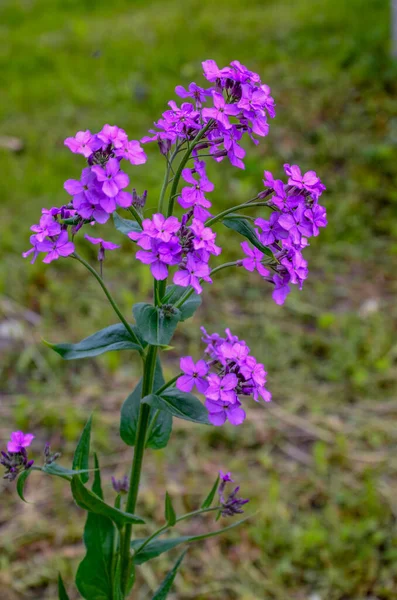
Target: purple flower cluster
(170, 242)
(236, 103)
(297, 216)
(230, 505)
(95, 196)
(227, 373)
(15, 459)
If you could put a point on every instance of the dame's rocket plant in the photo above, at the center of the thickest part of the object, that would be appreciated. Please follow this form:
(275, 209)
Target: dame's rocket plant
(178, 243)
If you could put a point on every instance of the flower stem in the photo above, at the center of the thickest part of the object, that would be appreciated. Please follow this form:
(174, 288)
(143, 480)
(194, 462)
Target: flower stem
(136, 468)
(135, 214)
(190, 291)
(181, 166)
(233, 209)
(110, 298)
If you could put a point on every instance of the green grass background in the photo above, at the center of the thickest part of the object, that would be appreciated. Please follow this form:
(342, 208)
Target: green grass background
(320, 462)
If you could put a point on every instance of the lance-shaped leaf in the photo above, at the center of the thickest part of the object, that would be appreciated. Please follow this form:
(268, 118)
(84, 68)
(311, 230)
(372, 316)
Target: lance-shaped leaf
(170, 515)
(63, 472)
(210, 498)
(93, 503)
(82, 453)
(94, 577)
(173, 293)
(156, 324)
(244, 228)
(179, 404)
(165, 587)
(114, 337)
(125, 225)
(159, 430)
(62, 593)
(157, 547)
(21, 484)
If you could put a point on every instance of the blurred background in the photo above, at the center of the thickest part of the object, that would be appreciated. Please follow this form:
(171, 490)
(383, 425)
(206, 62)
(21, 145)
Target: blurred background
(320, 462)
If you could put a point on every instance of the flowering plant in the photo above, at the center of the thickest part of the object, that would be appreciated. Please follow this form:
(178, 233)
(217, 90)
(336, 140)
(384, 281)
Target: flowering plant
(210, 123)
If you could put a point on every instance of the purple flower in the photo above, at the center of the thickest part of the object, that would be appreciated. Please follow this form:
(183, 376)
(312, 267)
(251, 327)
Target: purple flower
(47, 226)
(103, 243)
(211, 70)
(132, 151)
(111, 134)
(191, 273)
(225, 476)
(281, 289)
(160, 256)
(194, 91)
(296, 223)
(34, 250)
(309, 181)
(194, 196)
(87, 188)
(235, 153)
(221, 111)
(88, 208)
(112, 177)
(204, 238)
(231, 505)
(271, 229)
(222, 389)
(57, 247)
(83, 143)
(19, 440)
(194, 375)
(219, 412)
(161, 228)
(317, 216)
(121, 486)
(253, 260)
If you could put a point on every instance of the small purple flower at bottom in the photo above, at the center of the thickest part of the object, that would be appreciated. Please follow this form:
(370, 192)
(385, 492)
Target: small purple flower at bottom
(121, 486)
(253, 260)
(19, 440)
(191, 273)
(225, 476)
(281, 289)
(219, 412)
(194, 375)
(103, 245)
(231, 505)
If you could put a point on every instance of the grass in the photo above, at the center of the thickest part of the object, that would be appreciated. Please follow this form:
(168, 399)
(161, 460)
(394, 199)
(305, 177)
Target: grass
(320, 462)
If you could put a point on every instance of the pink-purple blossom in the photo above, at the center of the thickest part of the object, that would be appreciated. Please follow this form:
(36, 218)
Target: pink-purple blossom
(19, 440)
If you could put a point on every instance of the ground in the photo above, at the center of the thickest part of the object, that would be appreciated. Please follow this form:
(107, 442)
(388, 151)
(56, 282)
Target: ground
(319, 462)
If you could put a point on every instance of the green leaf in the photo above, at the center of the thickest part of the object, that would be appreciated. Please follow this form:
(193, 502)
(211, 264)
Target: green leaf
(114, 337)
(94, 577)
(179, 404)
(244, 228)
(125, 225)
(21, 484)
(62, 593)
(59, 471)
(157, 547)
(82, 453)
(117, 593)
(170, 515)
(210, 498)
(174, 292)
(162, 592)
(93, 503)
(161, 431)
(156, 324)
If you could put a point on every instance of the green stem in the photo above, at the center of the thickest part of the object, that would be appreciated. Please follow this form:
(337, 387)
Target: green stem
(190, 291)
(135, 214)
(110, 298)
(181, 166)
(233, 209)
(136, 468)
(166, 181)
